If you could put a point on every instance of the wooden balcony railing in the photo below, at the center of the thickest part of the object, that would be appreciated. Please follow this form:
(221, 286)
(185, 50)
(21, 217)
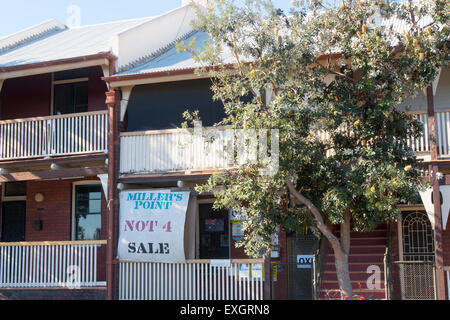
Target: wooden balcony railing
(54, 135)
(175, 150)
(49, 264)
(170, 151)
(193, 280)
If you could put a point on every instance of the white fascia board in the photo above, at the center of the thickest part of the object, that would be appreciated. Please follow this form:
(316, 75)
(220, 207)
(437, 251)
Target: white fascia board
(53, 68)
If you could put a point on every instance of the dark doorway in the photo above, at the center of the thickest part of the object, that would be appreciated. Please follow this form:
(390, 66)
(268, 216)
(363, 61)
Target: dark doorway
(214, 233)
(13, 221)
(303, 245)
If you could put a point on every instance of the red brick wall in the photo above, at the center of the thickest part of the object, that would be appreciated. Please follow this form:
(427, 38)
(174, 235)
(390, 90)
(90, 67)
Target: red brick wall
(56, 215)
(53, 294)
(446, 245)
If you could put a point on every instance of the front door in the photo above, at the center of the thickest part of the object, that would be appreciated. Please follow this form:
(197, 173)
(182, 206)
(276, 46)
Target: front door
(302, 248)
(13, 221)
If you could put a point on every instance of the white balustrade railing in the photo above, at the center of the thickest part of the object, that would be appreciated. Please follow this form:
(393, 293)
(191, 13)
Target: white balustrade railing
(54, 135)
(193, 280)
(170, 151)
(49, 264)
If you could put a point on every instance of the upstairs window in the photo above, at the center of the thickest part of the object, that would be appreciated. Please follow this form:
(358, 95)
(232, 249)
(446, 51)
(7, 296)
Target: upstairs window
(70, 91)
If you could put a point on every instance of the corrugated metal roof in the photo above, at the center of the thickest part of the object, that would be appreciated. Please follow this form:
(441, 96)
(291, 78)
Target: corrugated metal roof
(172, 60)
(67, 43)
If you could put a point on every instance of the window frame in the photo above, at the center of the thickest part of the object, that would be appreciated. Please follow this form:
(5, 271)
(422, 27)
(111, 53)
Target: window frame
(59, 82)
(74, 188)
(197, 227)
(5, 198)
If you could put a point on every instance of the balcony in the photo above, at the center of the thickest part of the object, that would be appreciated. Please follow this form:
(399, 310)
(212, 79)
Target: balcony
(50, 264)
(177, 150)
(64, 135)
(173, 150)
(421, 146)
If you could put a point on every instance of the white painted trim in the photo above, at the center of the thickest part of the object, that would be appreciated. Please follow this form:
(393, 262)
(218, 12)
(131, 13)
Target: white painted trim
(85, 79)
(104, 180)
(436, 81)
(106, 73)
(74, 185)
(53, 68)
(135, 82)
(126, 93)
(448, 284)
(13, 198)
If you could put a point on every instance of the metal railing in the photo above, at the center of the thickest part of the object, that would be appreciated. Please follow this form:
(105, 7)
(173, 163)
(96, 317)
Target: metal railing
(54, 135)
(49, 264)
(317, 268)
(414, 280)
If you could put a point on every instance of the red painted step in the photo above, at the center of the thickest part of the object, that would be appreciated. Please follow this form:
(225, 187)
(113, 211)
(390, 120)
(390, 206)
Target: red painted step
(355, 276)
(366, 249)
(327, 285)
(361, 258)
(335, 295)
(382, 233)
(353, 267)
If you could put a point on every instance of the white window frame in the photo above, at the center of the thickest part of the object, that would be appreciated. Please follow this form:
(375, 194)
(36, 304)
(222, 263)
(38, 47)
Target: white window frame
(11, 198)
(74, 185)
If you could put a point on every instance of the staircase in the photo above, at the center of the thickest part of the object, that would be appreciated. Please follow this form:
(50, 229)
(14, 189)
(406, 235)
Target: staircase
(366, 249)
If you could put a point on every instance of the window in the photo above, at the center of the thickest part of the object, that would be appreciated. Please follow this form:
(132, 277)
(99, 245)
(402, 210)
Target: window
(88, 212)
(214, 233)
(161, 106)
(70, 91)
(15, 189)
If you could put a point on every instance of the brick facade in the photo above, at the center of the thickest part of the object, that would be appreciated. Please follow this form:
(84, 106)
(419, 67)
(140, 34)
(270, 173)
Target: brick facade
(54, 294)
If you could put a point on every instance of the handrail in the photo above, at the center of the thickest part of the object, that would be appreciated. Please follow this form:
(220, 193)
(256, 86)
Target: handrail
(208, 261)
(52, 243)
(426, 111)
(63, 116)
(168, 131)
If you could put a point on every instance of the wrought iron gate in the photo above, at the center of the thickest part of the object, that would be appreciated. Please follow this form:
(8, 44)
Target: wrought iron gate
(416, 270)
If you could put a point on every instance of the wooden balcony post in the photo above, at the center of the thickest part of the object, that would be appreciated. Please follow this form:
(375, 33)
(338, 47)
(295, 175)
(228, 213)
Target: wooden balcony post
(113, 102)
(440, 274)
(432, 123)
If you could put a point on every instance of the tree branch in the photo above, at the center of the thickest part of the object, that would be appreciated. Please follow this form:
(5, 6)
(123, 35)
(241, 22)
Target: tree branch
(316, 213)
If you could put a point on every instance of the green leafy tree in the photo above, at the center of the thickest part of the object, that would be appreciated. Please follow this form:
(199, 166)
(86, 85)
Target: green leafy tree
(330, 69)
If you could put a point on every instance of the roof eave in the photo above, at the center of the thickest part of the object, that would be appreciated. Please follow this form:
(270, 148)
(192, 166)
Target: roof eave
(53, 65)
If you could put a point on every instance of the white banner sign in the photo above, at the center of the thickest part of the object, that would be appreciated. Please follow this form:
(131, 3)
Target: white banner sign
(152, 225)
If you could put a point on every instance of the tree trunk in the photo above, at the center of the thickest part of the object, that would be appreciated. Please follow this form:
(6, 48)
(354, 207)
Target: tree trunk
(343, 274)
(341, 247)
(341, 254)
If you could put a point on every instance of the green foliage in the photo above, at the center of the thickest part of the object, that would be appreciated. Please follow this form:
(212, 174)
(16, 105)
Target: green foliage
(330, 69)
